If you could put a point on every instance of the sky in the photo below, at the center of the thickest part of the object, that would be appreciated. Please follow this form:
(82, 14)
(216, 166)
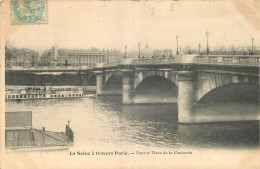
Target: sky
(82, 24)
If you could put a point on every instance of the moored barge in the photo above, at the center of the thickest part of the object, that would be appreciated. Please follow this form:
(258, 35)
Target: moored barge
(20, 135)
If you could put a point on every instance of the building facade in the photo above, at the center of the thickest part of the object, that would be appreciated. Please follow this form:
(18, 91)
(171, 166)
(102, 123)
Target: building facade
(147, 52)
(21, 57)
(78, 57)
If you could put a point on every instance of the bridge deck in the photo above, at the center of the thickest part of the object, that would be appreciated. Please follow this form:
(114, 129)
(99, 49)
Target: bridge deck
(175, 61)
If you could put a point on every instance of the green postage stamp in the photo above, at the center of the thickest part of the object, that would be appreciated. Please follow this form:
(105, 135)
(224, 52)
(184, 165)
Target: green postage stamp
(28, 11)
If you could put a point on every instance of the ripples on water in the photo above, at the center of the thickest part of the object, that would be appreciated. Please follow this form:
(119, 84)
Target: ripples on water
(105, 120)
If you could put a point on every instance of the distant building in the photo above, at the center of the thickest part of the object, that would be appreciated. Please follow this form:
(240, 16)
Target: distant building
(21, 57)
(163, 53)
(78, 57)
(146, 52)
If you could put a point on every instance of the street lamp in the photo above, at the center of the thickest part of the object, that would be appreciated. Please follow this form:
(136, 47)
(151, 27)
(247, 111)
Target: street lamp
(207, 34)
(252, 45)
(199, 47)
(125, 50)
(177, 39)
(139, 45)
(106, 57)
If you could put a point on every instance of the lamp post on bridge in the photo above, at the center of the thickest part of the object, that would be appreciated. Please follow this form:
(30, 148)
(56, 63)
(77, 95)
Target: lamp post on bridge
(252, 45)
(107, 57)
(207, 34)
(139, 55)
(125, 51)
(177, 39)
(199, 47)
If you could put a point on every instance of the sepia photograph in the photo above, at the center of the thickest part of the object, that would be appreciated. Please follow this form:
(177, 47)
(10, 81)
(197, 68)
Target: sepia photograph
(129, 84)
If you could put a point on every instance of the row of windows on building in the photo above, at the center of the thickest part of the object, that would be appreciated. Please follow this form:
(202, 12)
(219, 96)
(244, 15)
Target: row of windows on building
(61, 57)
(27, 96)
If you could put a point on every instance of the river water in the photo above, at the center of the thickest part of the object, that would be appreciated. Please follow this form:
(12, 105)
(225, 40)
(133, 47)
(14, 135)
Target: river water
(104, 120)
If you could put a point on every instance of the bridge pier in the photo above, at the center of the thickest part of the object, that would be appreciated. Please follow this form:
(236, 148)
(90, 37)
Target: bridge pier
(128, 86)
(185, 97)
(100, 82)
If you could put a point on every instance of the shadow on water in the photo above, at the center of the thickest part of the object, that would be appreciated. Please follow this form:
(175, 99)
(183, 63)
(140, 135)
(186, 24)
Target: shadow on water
(157, 125)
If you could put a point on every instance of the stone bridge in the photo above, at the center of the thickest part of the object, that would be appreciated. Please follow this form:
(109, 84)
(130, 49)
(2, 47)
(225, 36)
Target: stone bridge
(186, 79)
(183, 79)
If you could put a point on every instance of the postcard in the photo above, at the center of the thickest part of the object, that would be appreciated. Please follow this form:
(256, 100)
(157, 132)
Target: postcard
(129, 84)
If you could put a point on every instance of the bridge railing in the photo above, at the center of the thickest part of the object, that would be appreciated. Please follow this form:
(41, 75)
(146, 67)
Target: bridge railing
(201, 59)
(164, 60)
(110, 64)
(229, 59)
(136, 61)
(206, 59)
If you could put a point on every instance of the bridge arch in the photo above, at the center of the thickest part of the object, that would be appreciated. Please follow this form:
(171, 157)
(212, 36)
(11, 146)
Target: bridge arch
(113, 83)
(155, 89)
(142, 75)
(208, 83)
(115, 80)
(108, 75)
(233, 92)
(92, 79)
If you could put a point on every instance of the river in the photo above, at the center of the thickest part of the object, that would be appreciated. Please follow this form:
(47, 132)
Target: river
(104, 120)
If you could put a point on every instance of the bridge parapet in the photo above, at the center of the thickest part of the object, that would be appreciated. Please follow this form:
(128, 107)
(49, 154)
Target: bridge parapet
(161, 60)
(195, 59)
(105, 65)
(126, 61)
(240, 60)
(229, 59)
(153, 61)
